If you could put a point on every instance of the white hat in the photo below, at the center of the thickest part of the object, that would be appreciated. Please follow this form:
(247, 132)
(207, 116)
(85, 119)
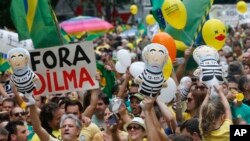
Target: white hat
(136, 120)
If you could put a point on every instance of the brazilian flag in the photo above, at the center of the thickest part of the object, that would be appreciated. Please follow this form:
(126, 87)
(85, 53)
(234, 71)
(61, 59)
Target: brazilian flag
(107, 79)
(35, 19)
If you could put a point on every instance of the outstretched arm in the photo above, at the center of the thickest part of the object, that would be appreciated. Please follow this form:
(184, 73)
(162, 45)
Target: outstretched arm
(224, 100)
(89, 111)
(36, 123)
(34, 115)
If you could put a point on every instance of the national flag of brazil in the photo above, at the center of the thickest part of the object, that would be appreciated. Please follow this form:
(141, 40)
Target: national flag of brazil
(35, 19)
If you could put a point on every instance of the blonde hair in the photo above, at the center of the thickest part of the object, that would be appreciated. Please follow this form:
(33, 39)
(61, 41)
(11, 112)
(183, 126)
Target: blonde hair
(209, 114)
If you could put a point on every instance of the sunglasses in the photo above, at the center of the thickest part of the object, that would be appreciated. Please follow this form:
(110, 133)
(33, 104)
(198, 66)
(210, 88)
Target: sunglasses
(20, 114)
(135, 127)
(198, 87)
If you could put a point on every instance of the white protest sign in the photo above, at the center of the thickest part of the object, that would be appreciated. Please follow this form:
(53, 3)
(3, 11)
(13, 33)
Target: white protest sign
(228, 14)
(10, 40)
(64, 68)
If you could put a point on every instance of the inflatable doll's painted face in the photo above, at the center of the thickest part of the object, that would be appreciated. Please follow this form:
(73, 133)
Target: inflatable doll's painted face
(156, 56)
(203, 52)
(18, 60)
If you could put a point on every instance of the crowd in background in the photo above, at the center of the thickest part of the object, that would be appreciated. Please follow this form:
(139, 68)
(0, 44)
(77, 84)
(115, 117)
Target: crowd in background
(88, 115)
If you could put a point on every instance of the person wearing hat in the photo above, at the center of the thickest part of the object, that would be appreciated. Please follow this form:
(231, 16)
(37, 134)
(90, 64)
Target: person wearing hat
(136, 129)
(135, 100)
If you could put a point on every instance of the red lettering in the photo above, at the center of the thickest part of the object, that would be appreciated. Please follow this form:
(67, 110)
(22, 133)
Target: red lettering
(57, 87)
(84, 76)
(43, 85)
(71, 77)
(48, 81)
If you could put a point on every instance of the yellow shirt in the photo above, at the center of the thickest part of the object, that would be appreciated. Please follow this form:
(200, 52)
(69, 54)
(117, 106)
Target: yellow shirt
(221, 134)
(56, 133)
(89, 132)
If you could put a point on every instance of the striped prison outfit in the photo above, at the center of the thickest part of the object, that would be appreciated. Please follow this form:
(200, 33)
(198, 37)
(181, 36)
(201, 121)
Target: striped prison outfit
(151, 82)
(210, 69)
(24, 82)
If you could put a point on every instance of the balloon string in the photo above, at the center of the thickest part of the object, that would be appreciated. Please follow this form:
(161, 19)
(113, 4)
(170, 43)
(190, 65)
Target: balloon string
(192, 43)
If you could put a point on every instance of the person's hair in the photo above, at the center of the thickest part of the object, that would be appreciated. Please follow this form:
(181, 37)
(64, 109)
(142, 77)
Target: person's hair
(11, 127)
(230, 54)
(104, 97)
(9, 100)
(232, 79)
(47, 115)
(63, 100)
(235, 68)
(180, 137)
(236, 44)
(209, 113)
(242, 82)
(74, 103)
(198, 96)
(72, 117)
(191, 125)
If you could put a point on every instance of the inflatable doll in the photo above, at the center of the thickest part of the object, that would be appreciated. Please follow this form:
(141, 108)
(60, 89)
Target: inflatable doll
(23, 77)
(209, 71)
(151, 80)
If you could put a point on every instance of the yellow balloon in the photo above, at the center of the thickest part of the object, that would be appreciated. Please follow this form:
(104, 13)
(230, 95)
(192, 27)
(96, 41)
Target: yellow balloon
(239, 97)
(133, 9)
(241, 6)
(214, 33)
(167, 69)
(174, 12)
(150, 20)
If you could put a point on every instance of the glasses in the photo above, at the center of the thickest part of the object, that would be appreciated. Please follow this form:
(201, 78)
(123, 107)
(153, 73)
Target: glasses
(199, 87)
(135, 127)
(20, 114)
(189, 99)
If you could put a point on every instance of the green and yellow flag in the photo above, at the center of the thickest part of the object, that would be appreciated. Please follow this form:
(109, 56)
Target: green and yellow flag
(197, 12)
(4, 65)
(35, 19)
(107, 79)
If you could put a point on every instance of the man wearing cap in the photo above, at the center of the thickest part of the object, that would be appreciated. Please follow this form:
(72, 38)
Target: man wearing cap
(135, 100)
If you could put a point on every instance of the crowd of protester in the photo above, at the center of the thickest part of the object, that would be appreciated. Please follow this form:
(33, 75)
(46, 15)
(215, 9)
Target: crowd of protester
(89, 115)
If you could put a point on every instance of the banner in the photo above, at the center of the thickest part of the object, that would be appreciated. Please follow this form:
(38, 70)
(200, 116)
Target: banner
(64, 68)
(229, 14)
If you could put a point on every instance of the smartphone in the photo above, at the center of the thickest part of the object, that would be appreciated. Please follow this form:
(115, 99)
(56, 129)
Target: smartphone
(179, 60)
(113, 119)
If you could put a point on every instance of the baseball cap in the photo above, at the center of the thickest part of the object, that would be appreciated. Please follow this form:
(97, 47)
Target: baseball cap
(136, 120)
(137, 95)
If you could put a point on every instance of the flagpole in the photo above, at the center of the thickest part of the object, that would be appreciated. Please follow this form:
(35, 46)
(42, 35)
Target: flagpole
(56, 23)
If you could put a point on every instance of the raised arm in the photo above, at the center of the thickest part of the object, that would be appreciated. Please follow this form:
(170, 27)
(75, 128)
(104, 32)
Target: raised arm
(89, 111)
(36, 123)
(154, 131)
(224, 100)
(170, 119)
(182, 67)
(2, 91)
(124, 84)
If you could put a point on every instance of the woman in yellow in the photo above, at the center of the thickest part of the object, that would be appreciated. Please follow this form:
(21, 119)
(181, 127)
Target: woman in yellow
(215, 117)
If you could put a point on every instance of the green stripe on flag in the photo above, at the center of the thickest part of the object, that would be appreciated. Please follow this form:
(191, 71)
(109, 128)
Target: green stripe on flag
(4, 65)
(197, 11)
(34, 19)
